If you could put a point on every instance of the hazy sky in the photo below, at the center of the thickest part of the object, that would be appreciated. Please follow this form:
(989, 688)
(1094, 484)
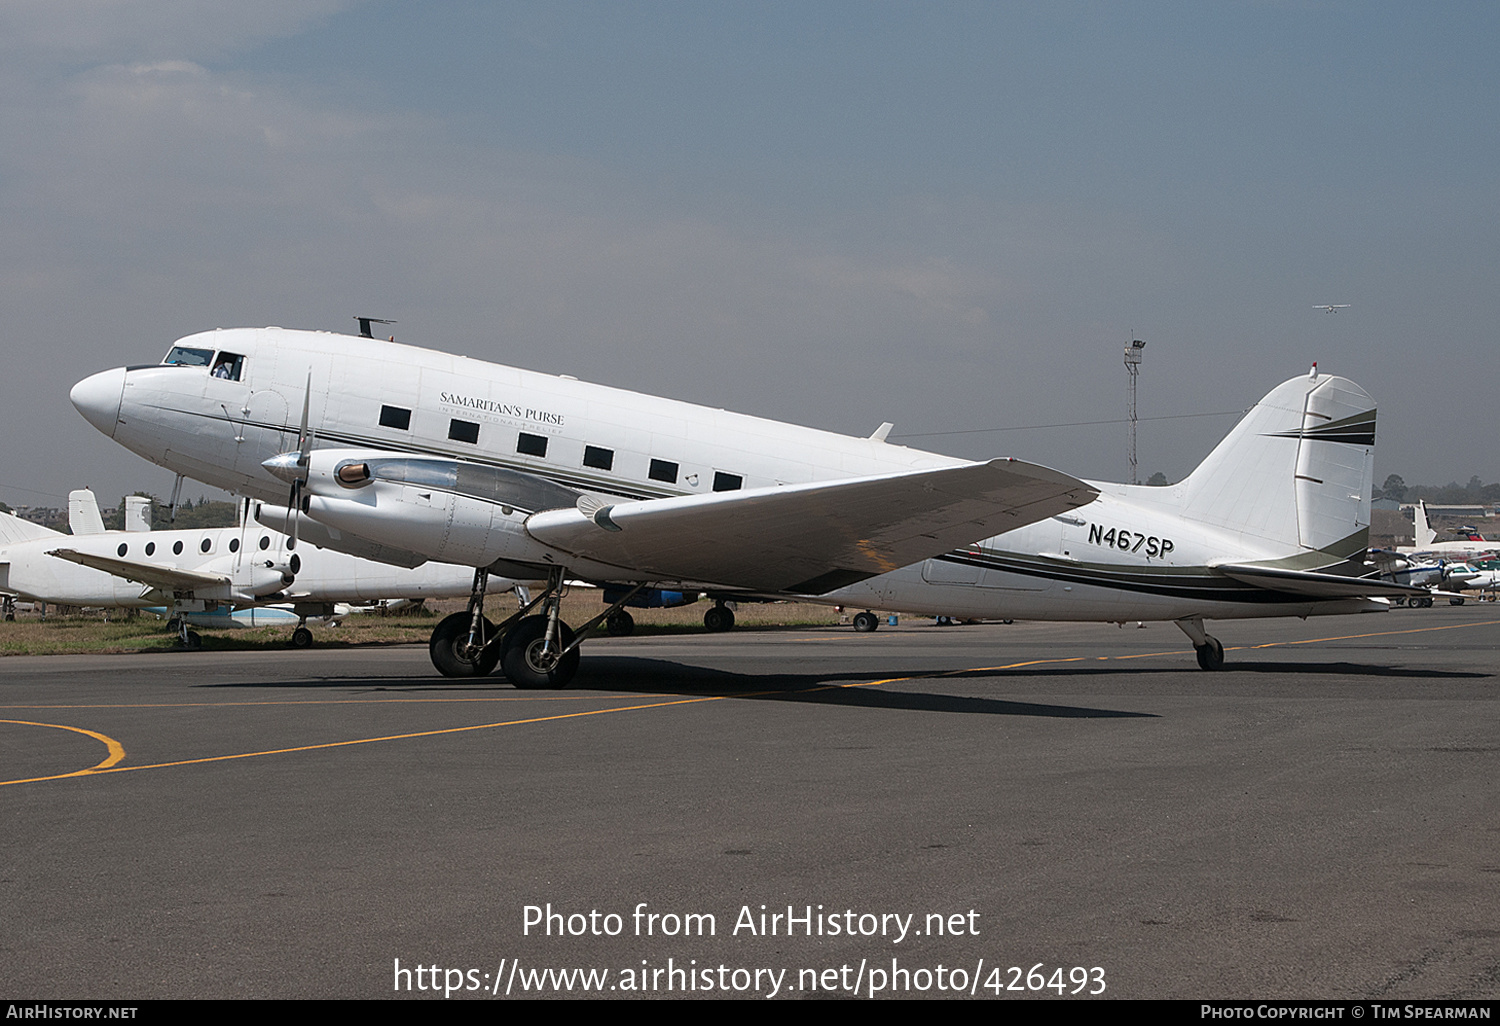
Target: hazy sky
(952, 216)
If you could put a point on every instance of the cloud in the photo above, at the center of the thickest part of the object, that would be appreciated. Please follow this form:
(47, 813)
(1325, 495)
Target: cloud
(110, 31)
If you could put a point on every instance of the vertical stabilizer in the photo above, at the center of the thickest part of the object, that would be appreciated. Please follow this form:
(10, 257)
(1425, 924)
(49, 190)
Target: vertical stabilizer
(1296, 471)
(83, 513)
(137, 513)
(1424, 534)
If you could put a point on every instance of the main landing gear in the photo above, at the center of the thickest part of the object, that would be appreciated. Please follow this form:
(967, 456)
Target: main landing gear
(1210, 650)
(187, 640)
(718, 617)
(533, 646)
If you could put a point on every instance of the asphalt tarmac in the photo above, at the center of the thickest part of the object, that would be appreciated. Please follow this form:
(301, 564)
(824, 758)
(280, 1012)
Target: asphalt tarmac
(997, 812)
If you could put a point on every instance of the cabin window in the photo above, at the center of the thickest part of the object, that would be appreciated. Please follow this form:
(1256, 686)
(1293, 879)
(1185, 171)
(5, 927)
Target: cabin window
(183, 356)
(531, 445)
(234, 545)
(664, 470)
(122, 549)
(205, 544)
(151, 548)
(265, 542)
(463, 431)
(598, 458)
(177, 548)
(727, 482)
(395, 417)
(228, 366)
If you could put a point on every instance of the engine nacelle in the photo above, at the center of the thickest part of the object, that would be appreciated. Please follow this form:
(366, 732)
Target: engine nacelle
(445, 510)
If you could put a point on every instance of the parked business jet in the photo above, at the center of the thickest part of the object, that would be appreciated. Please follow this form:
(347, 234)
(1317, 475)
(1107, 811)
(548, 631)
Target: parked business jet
(398, 449)
(202, 576)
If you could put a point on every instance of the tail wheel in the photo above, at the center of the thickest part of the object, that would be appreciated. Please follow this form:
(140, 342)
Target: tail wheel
(1211, 656)
(447, 648)
(526, 663)
(620, 623)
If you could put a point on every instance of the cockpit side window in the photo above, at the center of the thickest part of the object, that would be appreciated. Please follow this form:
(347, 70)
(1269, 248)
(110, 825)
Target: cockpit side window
(182, 356)
(228, 366)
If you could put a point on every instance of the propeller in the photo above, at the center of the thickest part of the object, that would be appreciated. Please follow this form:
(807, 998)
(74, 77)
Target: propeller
(304, 454)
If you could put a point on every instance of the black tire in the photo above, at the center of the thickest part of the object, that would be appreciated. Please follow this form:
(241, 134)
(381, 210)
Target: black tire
(193, 642)
(719, 618)
(620, 623)
(866, 622)
(521, 656)
(1456, 600)
(302, 638)
(443, 648)
(1211, 656)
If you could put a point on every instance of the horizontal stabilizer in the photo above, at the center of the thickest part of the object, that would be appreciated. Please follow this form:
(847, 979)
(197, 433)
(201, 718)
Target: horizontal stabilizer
(812, 538)
(1317, 585)
(14, 530)
(165, 578)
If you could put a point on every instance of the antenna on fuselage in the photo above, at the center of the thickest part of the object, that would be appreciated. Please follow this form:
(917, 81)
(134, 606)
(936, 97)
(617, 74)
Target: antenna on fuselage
(365, 322)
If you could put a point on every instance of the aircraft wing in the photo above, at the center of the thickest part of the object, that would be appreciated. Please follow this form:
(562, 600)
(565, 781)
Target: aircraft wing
(164, 577)
(1315, 584)
(812, 538)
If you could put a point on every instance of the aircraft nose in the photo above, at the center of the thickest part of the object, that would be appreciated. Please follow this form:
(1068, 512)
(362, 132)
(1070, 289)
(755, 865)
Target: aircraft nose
(98, 398)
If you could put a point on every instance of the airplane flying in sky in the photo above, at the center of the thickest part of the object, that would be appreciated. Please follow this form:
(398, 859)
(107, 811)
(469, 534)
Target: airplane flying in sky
(201, 575)
(391, 449)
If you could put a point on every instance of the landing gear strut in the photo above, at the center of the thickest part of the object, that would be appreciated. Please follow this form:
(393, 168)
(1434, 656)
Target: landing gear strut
(1210, 650)
(536, 650)
(187, 640)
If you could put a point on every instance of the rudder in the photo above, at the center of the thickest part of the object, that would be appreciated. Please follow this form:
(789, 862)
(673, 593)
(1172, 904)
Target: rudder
(1296, 471)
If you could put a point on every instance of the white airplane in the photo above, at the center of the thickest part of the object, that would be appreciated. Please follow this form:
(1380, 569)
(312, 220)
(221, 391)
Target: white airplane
(202, 575)
(1332, 307)
(541, 476)
(1426, 544)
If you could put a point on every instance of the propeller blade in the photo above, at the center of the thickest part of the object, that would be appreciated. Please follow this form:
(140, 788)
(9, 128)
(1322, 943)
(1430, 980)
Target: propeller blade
(304, 455)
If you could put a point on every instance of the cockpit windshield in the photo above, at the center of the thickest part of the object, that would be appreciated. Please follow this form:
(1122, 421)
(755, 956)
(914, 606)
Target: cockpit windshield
(227, 365)
(185, 357)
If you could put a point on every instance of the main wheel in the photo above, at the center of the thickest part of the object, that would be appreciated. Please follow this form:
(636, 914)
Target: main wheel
(1456, 600)
(302, 638)
(619, 623)
(524, 661)
(718, 618)
(192, 642)
(1211, 656)
(450, 637)
(866, 622)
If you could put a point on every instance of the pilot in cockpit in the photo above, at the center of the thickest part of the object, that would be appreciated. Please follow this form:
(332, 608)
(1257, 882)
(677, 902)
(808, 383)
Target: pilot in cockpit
(227, 366)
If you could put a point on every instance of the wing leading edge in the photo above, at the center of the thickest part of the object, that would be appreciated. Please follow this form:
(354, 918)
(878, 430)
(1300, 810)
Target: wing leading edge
(165, 578)
(813, 538)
